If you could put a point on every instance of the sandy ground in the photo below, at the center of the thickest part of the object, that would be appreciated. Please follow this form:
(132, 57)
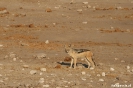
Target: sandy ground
(33, 34)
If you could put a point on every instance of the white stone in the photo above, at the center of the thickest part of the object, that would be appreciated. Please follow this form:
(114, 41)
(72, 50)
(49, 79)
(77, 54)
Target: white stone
(103, 73)
(84, 22)
(1, 81)
(41, 80)
(12, 55)
(128, 67)
(79, 10)
(41, 73)
(46, 85)
(101, 80)
(85, 2)
(89, 6)
(1, 45)
(116, 58)
(112, 69)
(14, 59)
(47, 41)
(33, 72)
(25, 66)
(83, 79)
(83, 73)
(98, 75)
(40, 55)
(43, 69)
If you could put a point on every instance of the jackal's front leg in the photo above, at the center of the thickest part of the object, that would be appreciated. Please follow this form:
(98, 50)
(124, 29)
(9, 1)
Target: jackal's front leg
(71, 63)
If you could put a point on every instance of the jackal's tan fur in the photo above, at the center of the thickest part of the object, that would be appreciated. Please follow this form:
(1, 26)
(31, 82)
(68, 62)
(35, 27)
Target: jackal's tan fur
(80, 53)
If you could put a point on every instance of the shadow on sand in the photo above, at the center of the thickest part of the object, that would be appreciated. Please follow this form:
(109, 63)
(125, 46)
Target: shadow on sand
(68, 64)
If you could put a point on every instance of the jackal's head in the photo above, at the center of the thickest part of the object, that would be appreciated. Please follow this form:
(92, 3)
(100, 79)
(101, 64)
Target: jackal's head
(68, 48)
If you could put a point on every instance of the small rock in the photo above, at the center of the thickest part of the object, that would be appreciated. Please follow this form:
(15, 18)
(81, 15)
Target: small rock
(48, 10)
(98, 75)
(1, 81)
(41, 73)
(41, 80)
(116, 58)
(43, 69)
(89, 6)
(84, 22)
(83, 73)
(25, 66)
(47, 41)
(3, 11)
(103, 73)
(119, 7)
(83, 79)
(85, 2)
(101, 80)
(46, 85)
(128, 67)
(1, 45)
(14, 59)
(33, 72)
(79, 10)
(12, 55)
(112, 69)
(40, 56)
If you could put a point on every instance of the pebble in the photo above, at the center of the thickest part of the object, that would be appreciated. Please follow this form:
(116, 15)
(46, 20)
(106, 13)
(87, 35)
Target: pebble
(41, 80)
(112, 69)
(79, 10)
(47, 42)
(43, 69)
(85, 2)
(41, 73)
(128, 67)
(84, 22)
(89, 6)
(33, 72)
(116, 58)
(46, 85)
(103, 73)
(83, 73)
(101, 80)
(40, 56)
(14, 59)
(98, 75)
(25, 66)
(1, 45)
(48, 10)
(1, 81)
(83, 79)
(12, 55)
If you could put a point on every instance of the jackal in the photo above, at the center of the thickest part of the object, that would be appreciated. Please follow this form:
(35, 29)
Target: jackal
(80, 53)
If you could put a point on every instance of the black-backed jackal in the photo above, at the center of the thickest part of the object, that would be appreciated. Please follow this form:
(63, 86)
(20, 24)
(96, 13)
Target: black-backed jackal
(80, 53)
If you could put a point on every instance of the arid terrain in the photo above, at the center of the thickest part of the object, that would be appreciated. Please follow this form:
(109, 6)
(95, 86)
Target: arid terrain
(33, 34)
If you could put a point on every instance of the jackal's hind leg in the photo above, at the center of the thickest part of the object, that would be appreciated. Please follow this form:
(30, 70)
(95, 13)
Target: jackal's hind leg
(88, 62)
(92, 63)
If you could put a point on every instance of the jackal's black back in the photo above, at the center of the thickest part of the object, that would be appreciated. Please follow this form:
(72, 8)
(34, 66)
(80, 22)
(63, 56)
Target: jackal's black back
(80, 50)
